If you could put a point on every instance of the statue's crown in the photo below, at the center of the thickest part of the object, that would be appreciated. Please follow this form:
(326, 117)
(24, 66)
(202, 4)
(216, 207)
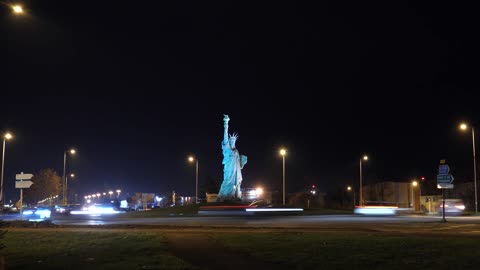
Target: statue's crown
(233, 136)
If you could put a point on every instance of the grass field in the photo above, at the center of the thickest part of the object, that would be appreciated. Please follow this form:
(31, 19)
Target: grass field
(56, 249)
(148, 249)
(358, 250)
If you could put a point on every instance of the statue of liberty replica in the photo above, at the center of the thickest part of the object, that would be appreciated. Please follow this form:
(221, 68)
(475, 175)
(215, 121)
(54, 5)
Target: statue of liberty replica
(233, 164)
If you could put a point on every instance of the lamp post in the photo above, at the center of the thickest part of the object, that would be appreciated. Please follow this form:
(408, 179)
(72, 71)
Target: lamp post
(361, 192)
(283, 153)
(118, 193)
(71, 151)
(66, 185)
(412, 186)
(349, 188)
(6, 136)
(464, 126)
(192, 159)
(110, 193)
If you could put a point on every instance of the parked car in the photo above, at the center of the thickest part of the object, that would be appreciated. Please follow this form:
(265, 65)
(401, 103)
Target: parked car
(452, 207)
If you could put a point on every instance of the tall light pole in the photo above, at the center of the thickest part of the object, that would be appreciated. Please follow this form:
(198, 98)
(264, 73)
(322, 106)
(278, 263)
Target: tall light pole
(71, 151)
(118, 194)
(464, 126)
(6, 136)
(349, 188)
(413, 185)
(283, 153)
(361, 192)
(66, 185)
(192, 159)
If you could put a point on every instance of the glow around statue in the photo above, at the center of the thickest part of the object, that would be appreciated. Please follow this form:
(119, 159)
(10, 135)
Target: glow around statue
(233, 164)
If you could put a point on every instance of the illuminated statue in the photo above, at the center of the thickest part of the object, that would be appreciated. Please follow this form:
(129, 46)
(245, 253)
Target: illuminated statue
(233, 163)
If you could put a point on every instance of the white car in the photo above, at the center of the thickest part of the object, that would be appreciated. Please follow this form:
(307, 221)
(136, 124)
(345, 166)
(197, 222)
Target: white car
(452, 207)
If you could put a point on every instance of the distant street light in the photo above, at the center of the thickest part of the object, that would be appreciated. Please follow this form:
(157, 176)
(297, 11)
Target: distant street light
(110, 193)
(361, 192)
(259, 191)
(464, 126)
(349, 188)
(72, 152)
(6, 136)
(192, 159)
(118, 193)
(283, 153)
(16, 9)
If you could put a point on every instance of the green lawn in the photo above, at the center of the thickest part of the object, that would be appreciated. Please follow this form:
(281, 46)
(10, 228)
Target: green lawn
(147, 249)
(357, 250)
(51, 249)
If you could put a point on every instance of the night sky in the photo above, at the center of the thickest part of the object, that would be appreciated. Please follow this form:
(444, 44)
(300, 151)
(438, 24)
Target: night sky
(136, 87)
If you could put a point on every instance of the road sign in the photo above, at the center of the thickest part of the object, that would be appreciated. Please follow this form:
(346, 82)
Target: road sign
(23, 184)
(444, 185)
(445, 178)
(24, 176)
(443, 169)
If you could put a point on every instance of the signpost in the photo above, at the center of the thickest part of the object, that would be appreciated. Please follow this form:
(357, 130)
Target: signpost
(21, 184)
(444, 180)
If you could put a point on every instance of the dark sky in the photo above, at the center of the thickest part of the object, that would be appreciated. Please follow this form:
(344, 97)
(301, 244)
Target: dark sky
(138, 86)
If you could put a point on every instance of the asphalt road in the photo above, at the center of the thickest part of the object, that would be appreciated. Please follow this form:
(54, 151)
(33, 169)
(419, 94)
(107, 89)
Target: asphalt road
(403, 223)
(424, 224)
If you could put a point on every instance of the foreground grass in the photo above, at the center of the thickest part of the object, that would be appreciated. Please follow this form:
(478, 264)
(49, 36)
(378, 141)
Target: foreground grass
(357, 250)
(144, 249)
(50, 249)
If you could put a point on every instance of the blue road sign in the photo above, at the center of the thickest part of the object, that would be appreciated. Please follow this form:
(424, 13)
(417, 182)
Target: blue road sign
(445, 178)
(443, 169)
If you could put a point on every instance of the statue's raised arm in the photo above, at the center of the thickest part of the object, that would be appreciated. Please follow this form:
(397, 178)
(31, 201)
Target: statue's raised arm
(225, 128)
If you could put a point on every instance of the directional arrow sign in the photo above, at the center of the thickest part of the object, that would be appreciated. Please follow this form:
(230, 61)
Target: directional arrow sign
(445, 178)
(24, 176)
(23, 184)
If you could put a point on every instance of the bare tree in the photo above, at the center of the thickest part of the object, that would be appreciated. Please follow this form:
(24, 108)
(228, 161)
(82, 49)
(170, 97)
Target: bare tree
(46, 184)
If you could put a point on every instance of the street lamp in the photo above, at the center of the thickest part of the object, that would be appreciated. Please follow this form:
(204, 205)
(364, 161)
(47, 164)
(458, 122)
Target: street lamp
(283, 153)
(66, 184)
(6, 136)
(72, 152)
(365, 158)
(413, 185)
(16, 9)
(464, 126)
(110, 193)
(118, 193)
(192, 159)
(349, 188)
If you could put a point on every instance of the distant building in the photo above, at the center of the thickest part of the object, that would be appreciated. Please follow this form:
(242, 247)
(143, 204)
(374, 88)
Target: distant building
(398, 193)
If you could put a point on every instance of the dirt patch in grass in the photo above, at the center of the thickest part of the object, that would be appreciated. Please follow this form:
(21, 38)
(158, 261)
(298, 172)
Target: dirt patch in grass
(205, 252)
